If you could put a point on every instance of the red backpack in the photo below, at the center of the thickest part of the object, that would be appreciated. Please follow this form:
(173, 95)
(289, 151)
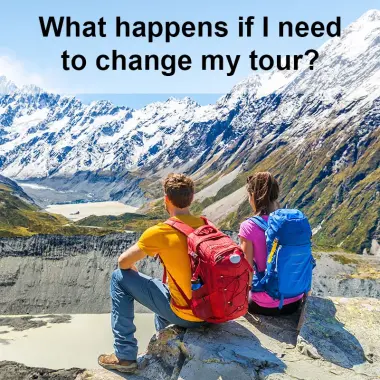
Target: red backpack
(219, 270)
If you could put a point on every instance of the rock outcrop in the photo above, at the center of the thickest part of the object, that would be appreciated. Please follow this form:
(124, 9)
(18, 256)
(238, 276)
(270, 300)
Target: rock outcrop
(345, 332)
(338, 340)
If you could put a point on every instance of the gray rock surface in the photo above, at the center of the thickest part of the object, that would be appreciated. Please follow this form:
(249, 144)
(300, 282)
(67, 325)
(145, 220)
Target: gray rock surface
(343, 331)
(59, 274)
(16, 371)
(339, 340)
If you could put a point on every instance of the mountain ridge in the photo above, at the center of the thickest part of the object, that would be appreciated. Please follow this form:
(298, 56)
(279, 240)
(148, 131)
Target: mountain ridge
(316, 130)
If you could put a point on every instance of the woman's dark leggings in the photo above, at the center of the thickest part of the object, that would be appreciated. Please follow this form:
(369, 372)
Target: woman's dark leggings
(291, 308)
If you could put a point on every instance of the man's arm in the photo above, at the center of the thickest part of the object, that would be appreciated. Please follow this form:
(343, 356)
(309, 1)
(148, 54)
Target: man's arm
(130, 257)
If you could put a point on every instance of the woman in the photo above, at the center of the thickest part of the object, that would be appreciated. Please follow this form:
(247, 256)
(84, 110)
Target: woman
(263, 192)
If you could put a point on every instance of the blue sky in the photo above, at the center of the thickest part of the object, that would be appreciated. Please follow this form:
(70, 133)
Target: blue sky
(27, 57)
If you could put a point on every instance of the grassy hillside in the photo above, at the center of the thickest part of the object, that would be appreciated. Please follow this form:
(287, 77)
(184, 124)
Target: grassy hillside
(21, 218)
(133, 222)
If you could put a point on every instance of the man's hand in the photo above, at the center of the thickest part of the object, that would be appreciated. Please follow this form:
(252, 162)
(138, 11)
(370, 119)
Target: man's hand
(130, 257)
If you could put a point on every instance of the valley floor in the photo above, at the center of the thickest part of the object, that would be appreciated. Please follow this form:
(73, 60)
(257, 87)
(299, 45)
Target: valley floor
(74, 343)
(78, 211)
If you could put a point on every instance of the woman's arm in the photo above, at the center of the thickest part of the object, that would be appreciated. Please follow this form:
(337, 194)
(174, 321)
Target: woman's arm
(247, 247)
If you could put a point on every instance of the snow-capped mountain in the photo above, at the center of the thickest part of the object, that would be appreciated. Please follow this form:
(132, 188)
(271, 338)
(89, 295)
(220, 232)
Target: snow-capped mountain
(292, 106)
(6, 86)
(318, 130)
(46, 135)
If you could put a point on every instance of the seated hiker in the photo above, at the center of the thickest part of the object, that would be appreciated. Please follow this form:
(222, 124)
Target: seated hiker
(277, 242)
(174, 303)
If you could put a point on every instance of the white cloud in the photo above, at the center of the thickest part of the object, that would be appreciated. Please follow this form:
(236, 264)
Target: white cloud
(16, 71)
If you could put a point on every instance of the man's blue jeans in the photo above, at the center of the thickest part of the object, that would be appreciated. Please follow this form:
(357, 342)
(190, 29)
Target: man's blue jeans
(127, 286)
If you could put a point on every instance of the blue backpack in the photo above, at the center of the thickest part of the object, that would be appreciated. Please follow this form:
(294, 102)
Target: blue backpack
(290, 262)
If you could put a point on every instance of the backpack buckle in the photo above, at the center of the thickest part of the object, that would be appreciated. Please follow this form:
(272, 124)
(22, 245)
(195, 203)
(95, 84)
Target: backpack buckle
(193, 254)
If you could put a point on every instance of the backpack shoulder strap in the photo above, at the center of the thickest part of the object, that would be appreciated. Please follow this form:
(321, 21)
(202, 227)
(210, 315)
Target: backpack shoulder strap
(187, 300)
(186, 230)
(180, 226)
(260, 222)
(207, 222)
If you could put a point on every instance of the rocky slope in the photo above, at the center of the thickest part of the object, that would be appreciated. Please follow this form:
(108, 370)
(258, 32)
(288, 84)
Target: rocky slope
(71, 274)
(316, 130)
(320, 135)
(338, 340)
(61, 273)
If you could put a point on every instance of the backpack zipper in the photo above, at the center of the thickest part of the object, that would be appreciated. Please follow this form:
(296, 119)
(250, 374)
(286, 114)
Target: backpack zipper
(278, 251)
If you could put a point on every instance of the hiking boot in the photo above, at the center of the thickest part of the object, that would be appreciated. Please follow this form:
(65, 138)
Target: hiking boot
(112, 362)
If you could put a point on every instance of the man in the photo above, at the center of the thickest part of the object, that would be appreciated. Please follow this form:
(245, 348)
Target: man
(128, 284)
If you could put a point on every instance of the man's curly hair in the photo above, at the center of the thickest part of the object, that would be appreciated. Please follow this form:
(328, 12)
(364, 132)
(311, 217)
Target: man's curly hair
(180, 189)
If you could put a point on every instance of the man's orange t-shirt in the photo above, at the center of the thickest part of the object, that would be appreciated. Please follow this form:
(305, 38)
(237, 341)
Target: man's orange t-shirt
(171, 245)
